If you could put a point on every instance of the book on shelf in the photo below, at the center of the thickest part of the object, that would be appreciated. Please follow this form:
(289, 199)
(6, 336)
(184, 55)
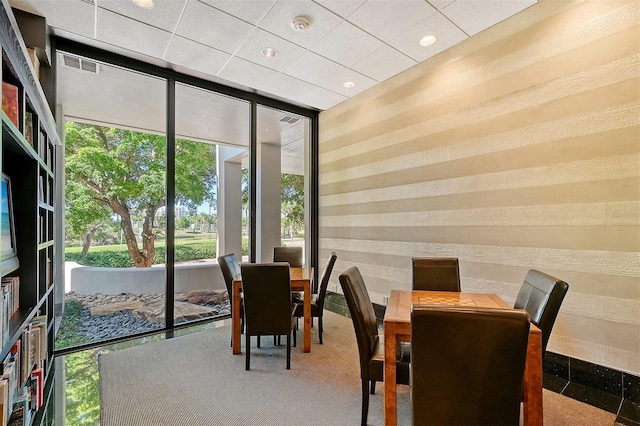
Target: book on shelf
(42, 150)
(37, 388)
(5, 410)
(21, 415)
(10, 104)
(49, 275)
(28, 127)
(41, 189)
(9, 304)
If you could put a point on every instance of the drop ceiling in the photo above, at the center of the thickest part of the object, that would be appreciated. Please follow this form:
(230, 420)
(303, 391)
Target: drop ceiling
(362, 41)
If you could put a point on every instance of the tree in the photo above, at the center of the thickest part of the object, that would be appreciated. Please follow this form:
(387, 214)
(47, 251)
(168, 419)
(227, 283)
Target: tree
(292, 202)
(84, 217)
(125, 171)
(292, 199)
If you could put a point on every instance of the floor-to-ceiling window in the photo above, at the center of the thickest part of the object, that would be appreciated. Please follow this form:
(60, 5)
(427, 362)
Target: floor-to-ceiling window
(199, 192)
(283, 181)
(115, 200)
(212, 139)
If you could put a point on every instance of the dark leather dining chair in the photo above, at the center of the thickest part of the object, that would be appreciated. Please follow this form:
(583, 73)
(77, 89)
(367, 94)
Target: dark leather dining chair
(317, 300)
(542, 295)
(267, 303)
(231, 270)
(291, 255)
(467, 365)
(436, 273)
(370, 343)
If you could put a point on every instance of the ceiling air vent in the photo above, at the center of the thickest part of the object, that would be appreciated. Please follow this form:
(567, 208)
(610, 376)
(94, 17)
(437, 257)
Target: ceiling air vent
(81, 64)
(289, 119)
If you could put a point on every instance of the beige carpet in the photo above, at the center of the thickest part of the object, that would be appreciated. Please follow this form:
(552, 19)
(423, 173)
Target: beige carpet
(195, 380)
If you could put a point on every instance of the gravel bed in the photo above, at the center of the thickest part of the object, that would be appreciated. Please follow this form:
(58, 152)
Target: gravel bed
(123, 323)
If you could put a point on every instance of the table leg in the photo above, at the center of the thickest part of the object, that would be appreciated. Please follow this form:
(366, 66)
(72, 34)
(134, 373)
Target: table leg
(235, 314)
(307, 316)
(390, 403)
(532, 387)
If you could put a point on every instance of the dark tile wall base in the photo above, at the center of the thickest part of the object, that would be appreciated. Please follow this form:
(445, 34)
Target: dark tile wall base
(602, 387)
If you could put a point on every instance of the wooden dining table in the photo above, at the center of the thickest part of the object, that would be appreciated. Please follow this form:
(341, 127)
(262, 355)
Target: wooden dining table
(301, 279)
(397, 327)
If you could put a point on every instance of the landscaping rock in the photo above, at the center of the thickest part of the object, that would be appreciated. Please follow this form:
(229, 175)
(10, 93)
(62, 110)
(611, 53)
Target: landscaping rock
(112, 308)
(206, 297)
(155, 312)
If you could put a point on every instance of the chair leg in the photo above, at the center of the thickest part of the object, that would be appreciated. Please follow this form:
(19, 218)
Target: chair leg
(289, 351)
(373, 387)
(247, 350)
(295, 336)
(258, 341)
(320, 329)
(365, 401)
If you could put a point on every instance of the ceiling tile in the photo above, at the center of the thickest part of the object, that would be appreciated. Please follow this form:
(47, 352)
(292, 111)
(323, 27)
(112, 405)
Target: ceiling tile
(251, 11)
(387, 19)
(164, 14)
(343, 8)
(346, 44)
(278, 21)
(74, 16)
(362, 83)
(204, 24)
(247, 73)
(124, 32)
(437, 25)
(188, 53)
(259, 39)
(321, 98)
(314, 68)
(288, 87)
(383, 63)
(440, 4)
(474, 16)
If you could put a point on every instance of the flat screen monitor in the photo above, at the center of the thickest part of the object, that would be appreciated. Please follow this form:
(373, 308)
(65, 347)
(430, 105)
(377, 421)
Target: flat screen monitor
(8, 254)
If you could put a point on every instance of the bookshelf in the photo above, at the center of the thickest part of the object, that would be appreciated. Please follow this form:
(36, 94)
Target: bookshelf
(29, 143)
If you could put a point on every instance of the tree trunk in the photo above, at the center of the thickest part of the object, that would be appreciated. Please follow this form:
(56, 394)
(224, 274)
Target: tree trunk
(148, 237)
(86, 241)
(138, 257)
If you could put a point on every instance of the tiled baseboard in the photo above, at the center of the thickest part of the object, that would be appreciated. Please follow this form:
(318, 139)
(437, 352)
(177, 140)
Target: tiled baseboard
(608, 389)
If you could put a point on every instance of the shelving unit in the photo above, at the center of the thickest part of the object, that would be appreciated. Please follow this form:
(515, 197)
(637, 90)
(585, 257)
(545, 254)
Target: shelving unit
(28, 160)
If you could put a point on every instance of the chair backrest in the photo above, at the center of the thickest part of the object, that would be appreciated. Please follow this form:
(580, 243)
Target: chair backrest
(436, 273)
(467, 365)
(230, 270)
(362, 315)
(266, 288)
(324, 283)
(541, 295)
(291, 255)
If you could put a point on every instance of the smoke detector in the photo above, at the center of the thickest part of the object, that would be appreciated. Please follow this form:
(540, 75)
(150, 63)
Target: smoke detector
(300, 23)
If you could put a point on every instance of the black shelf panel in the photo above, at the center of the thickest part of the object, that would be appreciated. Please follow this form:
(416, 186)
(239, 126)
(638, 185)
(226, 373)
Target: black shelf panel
(18, 143)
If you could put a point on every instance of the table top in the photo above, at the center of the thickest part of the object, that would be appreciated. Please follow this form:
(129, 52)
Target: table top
(400, 302)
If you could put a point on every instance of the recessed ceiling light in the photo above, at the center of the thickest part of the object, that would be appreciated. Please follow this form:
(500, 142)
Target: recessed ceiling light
(269, 52)
(147, 4)
(427, 40)
(300, 23)
(348, 84)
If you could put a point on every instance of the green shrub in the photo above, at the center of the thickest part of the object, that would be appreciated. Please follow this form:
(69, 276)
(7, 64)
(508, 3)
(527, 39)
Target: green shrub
(117, 257)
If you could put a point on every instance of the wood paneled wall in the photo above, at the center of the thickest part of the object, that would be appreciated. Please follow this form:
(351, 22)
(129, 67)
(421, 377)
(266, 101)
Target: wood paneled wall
(516, 149)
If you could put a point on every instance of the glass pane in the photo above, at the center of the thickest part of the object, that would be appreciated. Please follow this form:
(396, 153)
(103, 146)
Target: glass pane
(212, 136)
(283, 152)
(115, 195)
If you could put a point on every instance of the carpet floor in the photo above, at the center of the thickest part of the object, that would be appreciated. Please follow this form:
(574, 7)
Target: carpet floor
(195, 380)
